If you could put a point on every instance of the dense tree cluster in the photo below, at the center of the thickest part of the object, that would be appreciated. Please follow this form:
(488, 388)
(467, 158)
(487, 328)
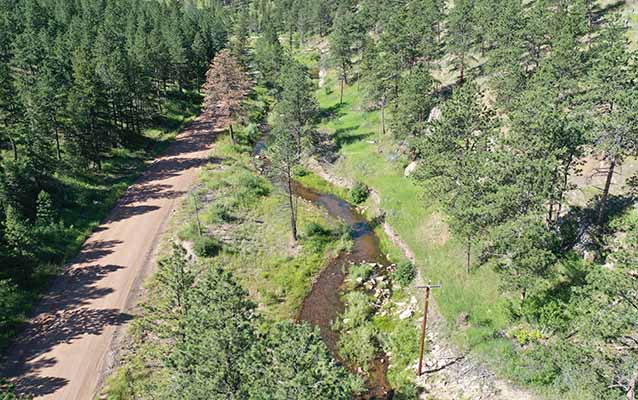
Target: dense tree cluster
(213, 347)
(77, 80)
(528, 89)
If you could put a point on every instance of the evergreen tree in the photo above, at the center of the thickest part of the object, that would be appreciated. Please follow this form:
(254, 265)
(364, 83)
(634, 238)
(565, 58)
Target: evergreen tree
(341, 46)
(216, 335)
(456, 154)
(461, 28)
(612, 104)
(414, 104)
(226, 86)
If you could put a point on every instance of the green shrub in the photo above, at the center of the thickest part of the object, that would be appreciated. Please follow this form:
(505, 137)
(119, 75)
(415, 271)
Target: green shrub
(250, 188)
(359, 193)
(250, 134)
(358, 310)
(313, 229)
(10, 304)
(359, 272)
(358, 346)
(404, 273)
(300, 171)
(206, 246)
(45, 212)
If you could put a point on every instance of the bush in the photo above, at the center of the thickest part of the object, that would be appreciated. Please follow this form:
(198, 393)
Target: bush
(358, 309)
(357, 346)
(300, 171)
(250, 134)
(359, 193)
(10, 303)
(404, 273)
(313, 229)
(359, 272)
(207, 246)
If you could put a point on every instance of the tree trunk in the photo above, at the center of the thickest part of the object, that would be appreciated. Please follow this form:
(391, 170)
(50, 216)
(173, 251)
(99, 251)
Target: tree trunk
(57, 140)
(14, 147)
(341, 93)
(383, 115)
(602, 207)
(293, 213)
(462, 78)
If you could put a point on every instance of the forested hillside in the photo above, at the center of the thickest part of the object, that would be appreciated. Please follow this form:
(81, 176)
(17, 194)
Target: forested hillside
(491, 145)
(88, 91)
(500, 108)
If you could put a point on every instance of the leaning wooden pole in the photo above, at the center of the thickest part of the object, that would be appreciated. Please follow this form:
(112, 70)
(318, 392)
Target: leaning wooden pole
(419, 371)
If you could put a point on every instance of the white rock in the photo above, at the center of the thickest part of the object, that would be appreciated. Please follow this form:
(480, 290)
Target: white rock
(435, 114)
(409, 170)
(407, 313)
(413, 300)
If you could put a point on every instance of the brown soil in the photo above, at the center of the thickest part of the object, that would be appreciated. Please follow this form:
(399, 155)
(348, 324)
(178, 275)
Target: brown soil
(64, 349)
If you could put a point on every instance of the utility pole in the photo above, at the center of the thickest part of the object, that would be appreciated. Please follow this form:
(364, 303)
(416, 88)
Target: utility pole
(425, 322)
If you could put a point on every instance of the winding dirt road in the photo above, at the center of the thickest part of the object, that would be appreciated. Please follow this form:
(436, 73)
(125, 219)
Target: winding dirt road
(63, 350)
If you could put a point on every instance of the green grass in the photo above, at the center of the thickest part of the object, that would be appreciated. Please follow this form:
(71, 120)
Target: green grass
(375, 160)
(250, 217)
(314, 181)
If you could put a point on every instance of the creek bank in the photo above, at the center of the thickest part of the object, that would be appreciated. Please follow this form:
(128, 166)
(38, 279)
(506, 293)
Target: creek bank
(452, 373)
(323, 305)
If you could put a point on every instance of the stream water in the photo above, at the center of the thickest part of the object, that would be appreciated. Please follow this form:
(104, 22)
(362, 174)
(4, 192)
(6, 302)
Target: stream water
(323, 304)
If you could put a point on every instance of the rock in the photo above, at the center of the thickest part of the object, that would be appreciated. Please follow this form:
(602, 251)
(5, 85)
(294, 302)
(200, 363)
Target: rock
(409, 170)
(463, 320)
(435, 114)
(413, 300)
(407, 313)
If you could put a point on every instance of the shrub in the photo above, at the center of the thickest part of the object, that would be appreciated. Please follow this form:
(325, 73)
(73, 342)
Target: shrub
(206, 246)
(250, 134)
(359, 193)
(45, 212)
(404, 273)
(10, 303)
(358, 309)
(357, 346)
(300, 171)
(313, 229)
(359, 272)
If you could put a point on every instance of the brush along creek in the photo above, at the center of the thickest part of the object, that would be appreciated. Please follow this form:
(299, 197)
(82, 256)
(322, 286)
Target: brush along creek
(323, 305)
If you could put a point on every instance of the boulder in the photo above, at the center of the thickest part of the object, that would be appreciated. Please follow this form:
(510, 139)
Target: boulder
(407, 313)
(409, 170)
(435, 114)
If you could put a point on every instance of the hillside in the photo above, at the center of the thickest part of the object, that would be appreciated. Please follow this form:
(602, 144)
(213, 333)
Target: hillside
(361, 150)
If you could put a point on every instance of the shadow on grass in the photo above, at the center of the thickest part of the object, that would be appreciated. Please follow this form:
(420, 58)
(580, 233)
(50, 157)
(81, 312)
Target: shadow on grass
(345, 136)
(332, 112)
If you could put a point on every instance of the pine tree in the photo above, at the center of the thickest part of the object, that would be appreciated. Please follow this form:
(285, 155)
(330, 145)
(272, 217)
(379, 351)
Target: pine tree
(341, 46)
(414, 104)
(456, 154)
(226, 86)
(612, 105)
(45, 211)
(461, 28)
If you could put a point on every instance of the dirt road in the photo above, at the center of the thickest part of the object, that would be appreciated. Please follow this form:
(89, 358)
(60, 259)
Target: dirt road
(62, 352)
